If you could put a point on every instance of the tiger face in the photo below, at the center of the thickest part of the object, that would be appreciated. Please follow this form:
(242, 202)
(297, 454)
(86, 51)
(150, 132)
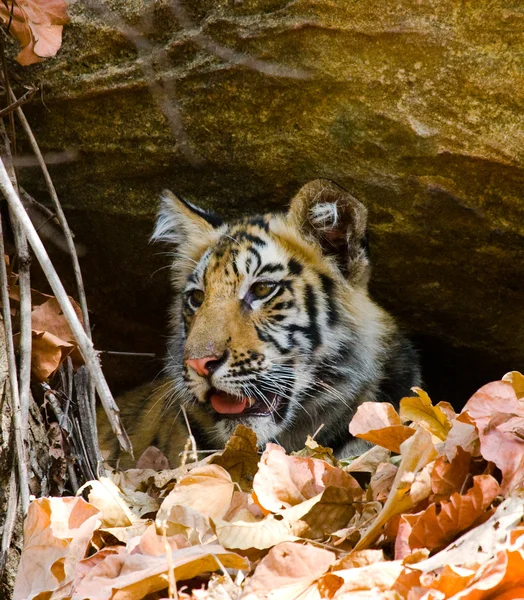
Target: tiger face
(272, 325)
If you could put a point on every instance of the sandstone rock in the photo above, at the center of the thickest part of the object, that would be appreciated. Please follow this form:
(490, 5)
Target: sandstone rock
(415, 107)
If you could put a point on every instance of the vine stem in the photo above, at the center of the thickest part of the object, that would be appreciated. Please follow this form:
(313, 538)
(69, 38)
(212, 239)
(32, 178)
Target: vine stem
(84, 342)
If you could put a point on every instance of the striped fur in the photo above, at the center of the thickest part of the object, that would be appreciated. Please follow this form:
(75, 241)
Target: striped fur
(307, 354)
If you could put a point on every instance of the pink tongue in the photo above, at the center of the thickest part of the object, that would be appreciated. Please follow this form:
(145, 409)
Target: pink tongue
(228, 405)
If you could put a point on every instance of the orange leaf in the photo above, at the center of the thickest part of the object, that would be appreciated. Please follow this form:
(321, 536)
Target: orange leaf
(284, 481)
(432, 529)
(499, 417)
(57, 532)
(287, 571)
(379, 423)
(48, 352)
(448, 477)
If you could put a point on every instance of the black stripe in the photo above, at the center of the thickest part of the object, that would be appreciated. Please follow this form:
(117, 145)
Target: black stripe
(256, 254)
(249, 237)
(294, 267)
(283, 305)
(271, 268)
(265, 337)
(210, 217)
(328, 286)
(259, 221)
(312, 331)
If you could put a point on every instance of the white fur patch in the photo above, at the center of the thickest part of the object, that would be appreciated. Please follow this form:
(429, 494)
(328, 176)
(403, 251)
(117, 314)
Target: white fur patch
(324, 215)
(168, 222)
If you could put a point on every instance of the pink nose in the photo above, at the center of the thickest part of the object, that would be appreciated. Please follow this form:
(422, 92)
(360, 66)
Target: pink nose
(201, 365)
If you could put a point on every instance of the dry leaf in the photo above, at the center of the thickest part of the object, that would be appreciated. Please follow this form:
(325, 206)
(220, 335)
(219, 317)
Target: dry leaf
(314, 450)
(283, 481)
(420, 410)
(288, 571)
(436, 527)
(152, 458)
(122, 576)
(416, 452)
(208, 490)
(369, 461)
(376, 577)
(258, 534)
(379, 423)
(482, 543)
(37, 25)
(240, 457)
(48, 352)
(463, 434)
(57, 532)
(517, 381)
(499, 417)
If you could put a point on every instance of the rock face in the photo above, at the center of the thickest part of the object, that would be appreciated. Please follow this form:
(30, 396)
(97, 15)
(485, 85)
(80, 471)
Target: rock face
(414, 107)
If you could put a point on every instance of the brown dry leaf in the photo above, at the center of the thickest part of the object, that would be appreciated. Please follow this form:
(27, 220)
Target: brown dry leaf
(48, 353)
(376, 577)
(118, 507)
(379, 423)
(287, 572)
(517, 381)
(416, 452)
(188, 523)
(152, 458)
(57, 532)
(369, 461)
(381, 482)
(420, 410)
(254, 533)
(37, 25)
(208, 490)
(367, 513)
(481, 544)
(319, 516)
(434, 528)
(314, 450)
(122, 576)
(283, 481)
(240, 457)
(448, 477)
(499, 417)
(463, 434)
(48, 316)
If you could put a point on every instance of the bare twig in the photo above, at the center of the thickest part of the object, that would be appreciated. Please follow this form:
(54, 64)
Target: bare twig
(22, 100)
(83, 341)
(24, 282)
(21, 456)
(117, 353)
(9, 520)
(87, 419)
(61, 218)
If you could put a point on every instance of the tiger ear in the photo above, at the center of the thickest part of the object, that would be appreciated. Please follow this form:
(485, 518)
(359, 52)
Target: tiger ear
(181, 223)
(337, 221)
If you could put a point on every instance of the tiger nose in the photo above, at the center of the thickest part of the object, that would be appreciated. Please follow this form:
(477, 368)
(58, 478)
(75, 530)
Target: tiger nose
(207, 365)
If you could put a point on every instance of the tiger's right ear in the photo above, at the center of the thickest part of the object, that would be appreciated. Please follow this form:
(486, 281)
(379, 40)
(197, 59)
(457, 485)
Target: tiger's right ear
(181, 223)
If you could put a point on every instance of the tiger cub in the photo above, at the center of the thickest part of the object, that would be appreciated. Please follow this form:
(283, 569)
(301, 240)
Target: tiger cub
(271, 326)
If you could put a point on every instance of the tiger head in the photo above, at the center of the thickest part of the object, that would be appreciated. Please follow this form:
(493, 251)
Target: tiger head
(272, 325)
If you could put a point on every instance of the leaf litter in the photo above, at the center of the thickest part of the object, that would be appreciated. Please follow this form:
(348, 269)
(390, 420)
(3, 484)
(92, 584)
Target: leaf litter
(433, 511)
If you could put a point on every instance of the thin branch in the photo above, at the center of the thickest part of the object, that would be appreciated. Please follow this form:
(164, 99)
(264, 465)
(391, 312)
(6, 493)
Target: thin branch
(9, 520)
(20, 102)
(82, 300)
(13, 378)
(85, 344)
(24, 282)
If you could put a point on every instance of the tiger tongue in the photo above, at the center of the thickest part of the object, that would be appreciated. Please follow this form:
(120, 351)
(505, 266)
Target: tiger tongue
(228, 405)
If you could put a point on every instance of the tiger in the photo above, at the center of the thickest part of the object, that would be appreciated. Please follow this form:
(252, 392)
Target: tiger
(271, 326)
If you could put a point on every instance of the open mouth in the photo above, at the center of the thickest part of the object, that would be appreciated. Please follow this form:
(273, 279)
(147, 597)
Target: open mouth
(242, 406)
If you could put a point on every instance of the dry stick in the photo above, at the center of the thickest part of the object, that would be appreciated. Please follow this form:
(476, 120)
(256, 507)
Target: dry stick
(24, 282)
(84, 343)
(9, 520)
(21, 456)
(82, 300)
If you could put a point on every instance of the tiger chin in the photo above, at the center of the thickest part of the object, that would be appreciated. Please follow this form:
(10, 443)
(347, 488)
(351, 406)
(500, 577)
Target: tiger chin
(271, 326)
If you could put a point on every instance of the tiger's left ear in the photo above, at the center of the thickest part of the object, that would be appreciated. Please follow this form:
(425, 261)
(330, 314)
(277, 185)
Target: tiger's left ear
(337, 221)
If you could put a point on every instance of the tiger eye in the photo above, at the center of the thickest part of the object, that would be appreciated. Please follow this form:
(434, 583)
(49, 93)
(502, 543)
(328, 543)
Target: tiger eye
(196, 298)
(262, 289)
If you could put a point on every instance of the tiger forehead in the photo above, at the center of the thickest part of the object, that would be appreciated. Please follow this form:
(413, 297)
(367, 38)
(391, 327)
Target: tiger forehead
(247, 249)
